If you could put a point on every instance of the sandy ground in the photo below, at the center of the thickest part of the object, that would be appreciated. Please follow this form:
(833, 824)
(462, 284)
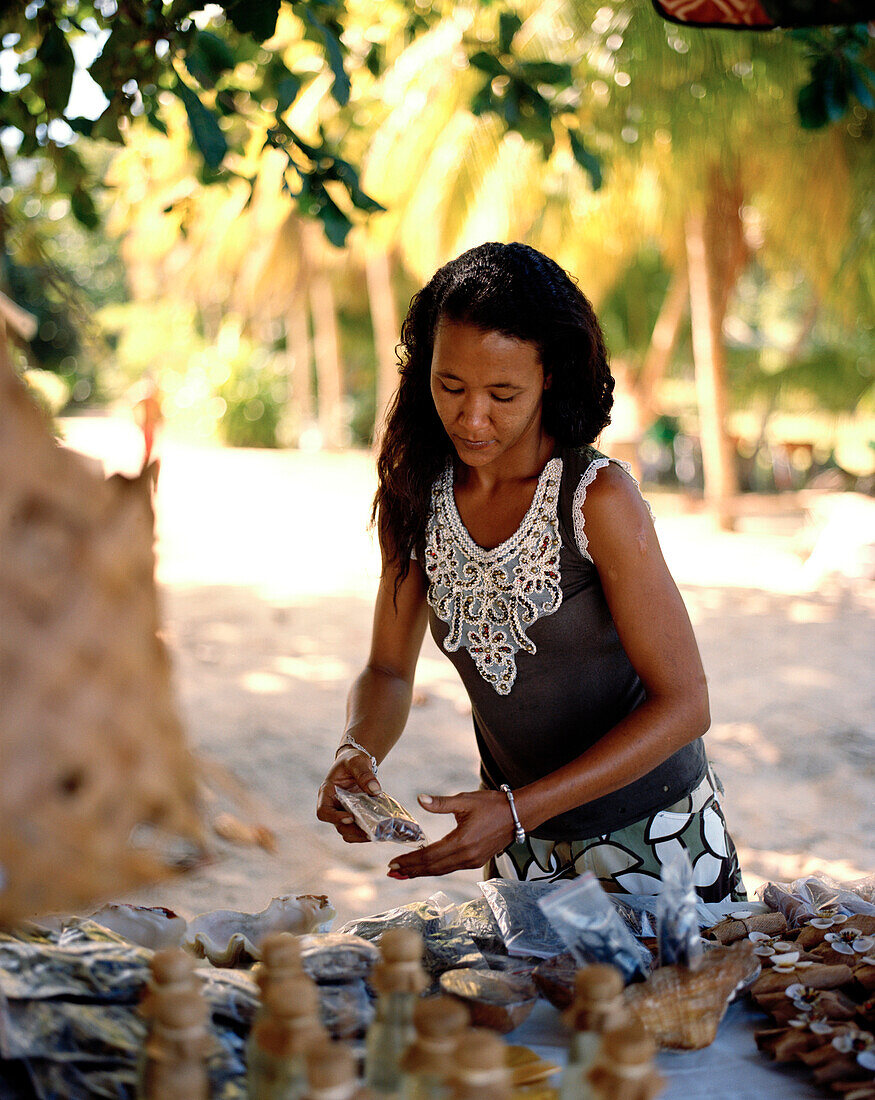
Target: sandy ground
(268, 573)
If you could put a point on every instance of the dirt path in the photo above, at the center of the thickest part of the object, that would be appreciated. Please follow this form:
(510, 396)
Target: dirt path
(268, 575)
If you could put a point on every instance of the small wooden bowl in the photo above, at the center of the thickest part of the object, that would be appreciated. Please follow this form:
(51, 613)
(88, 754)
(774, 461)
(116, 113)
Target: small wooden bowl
(495, 999)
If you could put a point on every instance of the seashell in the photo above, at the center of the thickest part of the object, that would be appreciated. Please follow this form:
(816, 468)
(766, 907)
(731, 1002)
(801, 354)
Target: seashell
(149, 926)
(230, 938)
(682, 1008)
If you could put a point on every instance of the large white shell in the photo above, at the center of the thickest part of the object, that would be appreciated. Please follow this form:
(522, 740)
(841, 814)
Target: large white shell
(230, 938)
(149, 926)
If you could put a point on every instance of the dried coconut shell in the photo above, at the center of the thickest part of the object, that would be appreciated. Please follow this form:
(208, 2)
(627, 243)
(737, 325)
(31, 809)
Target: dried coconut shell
(788, 1044)
(829, 1004)
(97, 788)
(864, 975)
(731, 929)
(682, 1008)
(810, 936)
(818, 976)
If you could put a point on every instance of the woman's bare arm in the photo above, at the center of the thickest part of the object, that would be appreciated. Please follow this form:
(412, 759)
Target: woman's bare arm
(657, 635)
(379, 700)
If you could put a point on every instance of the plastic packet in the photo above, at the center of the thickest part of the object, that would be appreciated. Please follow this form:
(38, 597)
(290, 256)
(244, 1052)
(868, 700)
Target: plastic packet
(476, 917)
(420, 916)
(806, 897)
(66, 1031)
(337, 957)
(381, 817)
(826, 893)
(91, 963)
(346, 1009)
(591, 929)
(449, 948)
(677, 921)
(524, 928)
(447, 943)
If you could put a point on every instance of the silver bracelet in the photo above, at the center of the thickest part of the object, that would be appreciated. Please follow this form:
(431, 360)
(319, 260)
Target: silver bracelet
(350, 741)
(519, 833)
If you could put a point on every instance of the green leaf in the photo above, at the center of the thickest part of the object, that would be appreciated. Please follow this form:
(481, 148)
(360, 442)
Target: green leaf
(335, 223)
(217, 50)
(508, 24)
(589, 162)
(487, 63)
(106, 126)
(286, 93)
(861, 88)
(57, 58)
(811, 108)
(333, 53)
(255, 17)
(80, 125)
(207, 58)
(547, 72)
(204, 127)
(156, 122)
(348, 176)
(83, 208)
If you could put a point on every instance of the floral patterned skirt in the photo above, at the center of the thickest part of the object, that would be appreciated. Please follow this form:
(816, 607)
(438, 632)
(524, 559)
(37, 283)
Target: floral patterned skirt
(628, 861)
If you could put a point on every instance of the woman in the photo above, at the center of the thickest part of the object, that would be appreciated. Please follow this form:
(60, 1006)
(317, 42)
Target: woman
(534, 561)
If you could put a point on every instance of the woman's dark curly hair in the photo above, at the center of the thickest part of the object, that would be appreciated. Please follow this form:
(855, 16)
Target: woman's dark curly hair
(516, 291)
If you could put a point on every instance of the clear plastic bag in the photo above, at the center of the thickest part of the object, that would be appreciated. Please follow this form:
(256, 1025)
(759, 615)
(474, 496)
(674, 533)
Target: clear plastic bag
(85, 960)
(591, 929)
(806, 897)
(420, 916)
(337, 957)
(677, 921)
(447, 942)
(381, 817)
(68, 1014)
(346, 1009)
(525, 930)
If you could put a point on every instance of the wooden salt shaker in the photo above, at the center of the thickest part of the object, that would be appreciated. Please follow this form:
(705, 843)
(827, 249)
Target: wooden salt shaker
(171, 970)
(480, 1067)
(332, 1072)
(439, 1023)
(174, 1067)
(597, 1007)
(624, 1069)
(399, 980)
(286, 1027)
(280, 959)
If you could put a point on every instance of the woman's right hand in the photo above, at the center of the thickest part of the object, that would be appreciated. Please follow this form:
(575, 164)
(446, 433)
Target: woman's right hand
(352, 771)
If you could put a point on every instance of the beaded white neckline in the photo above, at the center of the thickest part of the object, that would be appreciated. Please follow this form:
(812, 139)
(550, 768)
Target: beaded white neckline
(490, 598)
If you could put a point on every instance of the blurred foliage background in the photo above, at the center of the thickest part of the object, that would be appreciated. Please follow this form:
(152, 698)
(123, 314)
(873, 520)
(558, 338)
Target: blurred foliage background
(235, 203)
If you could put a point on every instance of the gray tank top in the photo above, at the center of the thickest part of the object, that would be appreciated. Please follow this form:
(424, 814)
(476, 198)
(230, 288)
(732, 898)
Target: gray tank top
(527, 627)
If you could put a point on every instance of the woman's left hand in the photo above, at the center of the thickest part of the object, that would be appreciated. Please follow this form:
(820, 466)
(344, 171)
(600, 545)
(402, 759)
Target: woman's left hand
(484, 827)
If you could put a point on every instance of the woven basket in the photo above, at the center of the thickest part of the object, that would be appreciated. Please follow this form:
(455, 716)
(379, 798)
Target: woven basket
(682, 1008)
(97, 788)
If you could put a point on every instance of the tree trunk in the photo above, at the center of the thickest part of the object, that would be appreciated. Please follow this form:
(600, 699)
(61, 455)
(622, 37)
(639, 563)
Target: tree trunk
(326, 347)
(384, 318)
(663, 342)
(714, 256)
(301, 401)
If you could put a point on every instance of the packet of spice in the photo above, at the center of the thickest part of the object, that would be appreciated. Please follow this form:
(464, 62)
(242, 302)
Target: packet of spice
(381, 817)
